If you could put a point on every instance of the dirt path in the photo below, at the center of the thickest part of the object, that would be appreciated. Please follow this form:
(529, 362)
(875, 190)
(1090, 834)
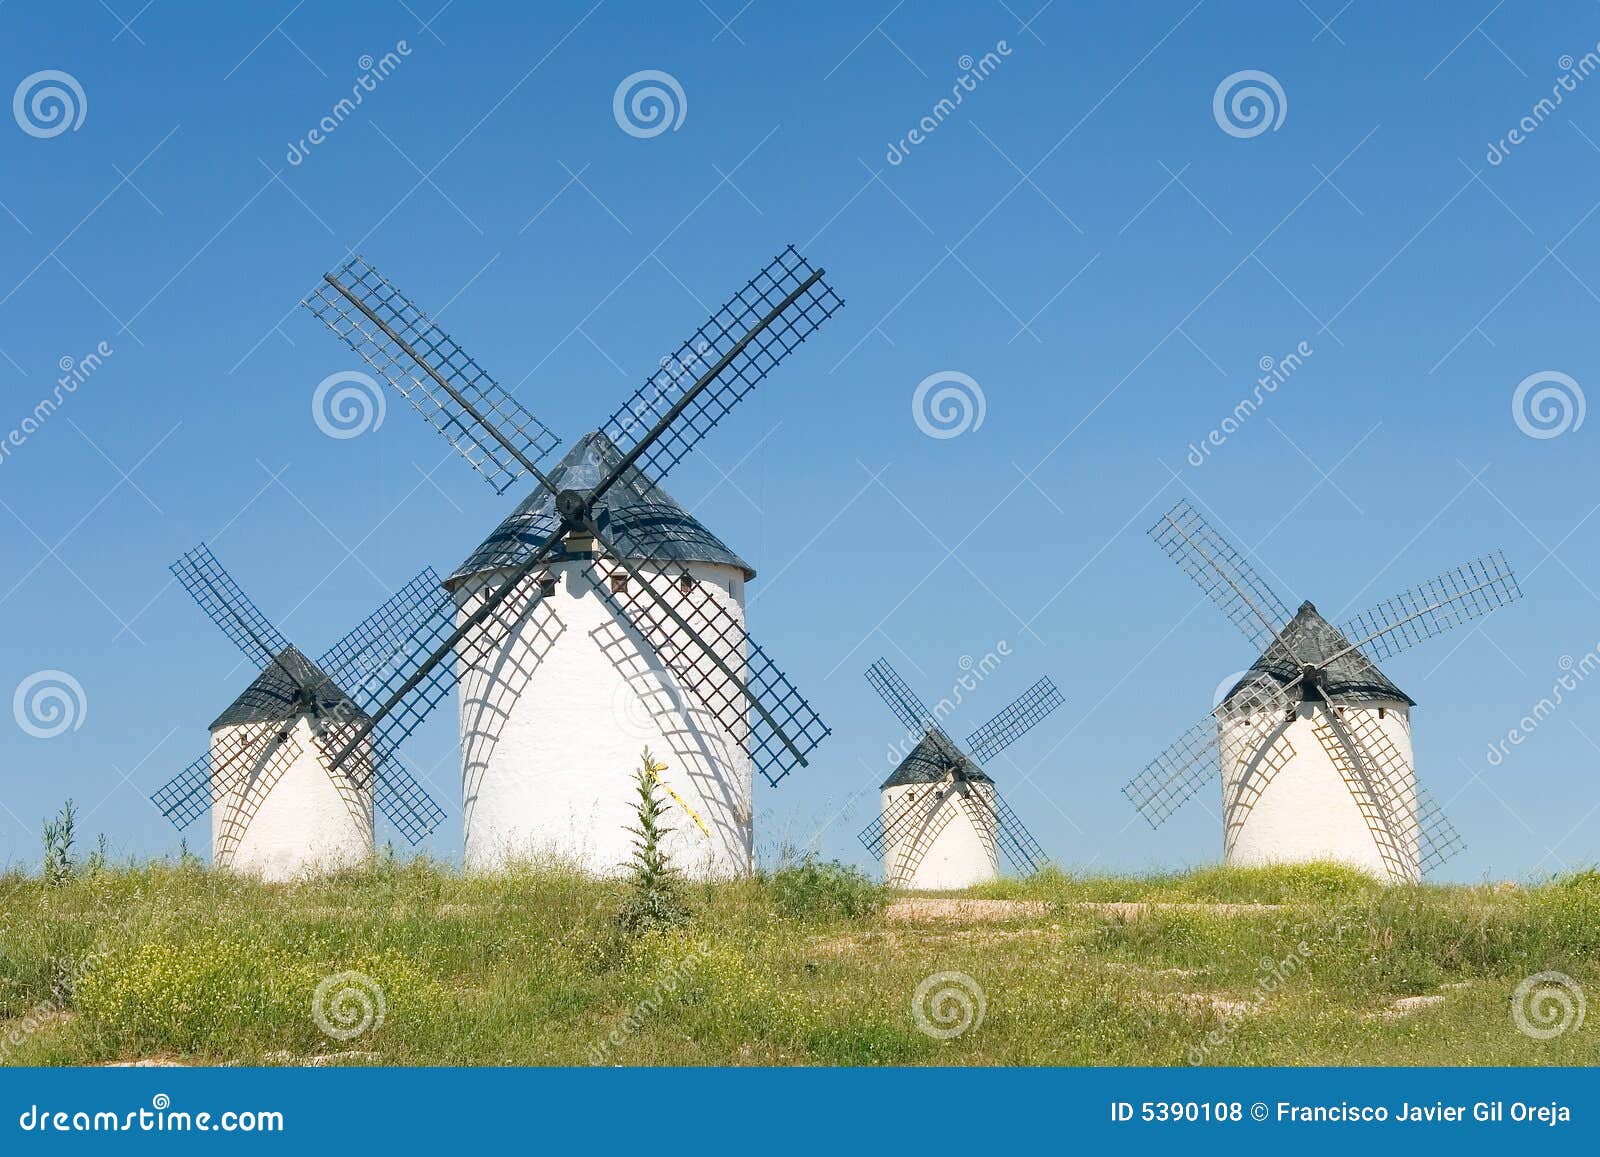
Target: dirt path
(927, 909)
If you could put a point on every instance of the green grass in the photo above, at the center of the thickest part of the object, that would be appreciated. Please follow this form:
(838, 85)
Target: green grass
(806, 966)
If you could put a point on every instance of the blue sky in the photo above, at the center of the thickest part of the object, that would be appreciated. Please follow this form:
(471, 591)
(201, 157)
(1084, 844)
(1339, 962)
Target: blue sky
(1080, 236)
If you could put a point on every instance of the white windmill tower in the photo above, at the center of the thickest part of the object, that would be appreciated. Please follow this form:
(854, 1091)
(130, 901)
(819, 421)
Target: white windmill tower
(280, 807)
(943, 823)
(1313, 744)
(600, 617)
(533, 781)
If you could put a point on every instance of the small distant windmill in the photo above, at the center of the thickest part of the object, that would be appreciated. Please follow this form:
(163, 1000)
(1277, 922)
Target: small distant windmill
(943, 823)
(282, 805)
(600, 617)
(1313, 744)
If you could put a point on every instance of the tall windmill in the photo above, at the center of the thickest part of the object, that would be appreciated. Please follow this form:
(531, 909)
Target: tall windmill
(600, 617)
(943, 823)
(1313, 744)
(281, 803)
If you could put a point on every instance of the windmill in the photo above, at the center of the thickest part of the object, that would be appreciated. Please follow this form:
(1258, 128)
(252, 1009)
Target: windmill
(281, 804)
(943, 823)
(600, 617)
(1313, 744)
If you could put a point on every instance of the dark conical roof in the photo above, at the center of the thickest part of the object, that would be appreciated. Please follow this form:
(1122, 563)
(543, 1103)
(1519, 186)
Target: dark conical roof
(274, 697)
(931, 760)
(644, 519)
(1351, 678)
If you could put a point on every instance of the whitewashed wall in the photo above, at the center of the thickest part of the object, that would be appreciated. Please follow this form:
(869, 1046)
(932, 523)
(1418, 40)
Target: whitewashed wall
(553, 725)
(962, 851)
(1307, 812)
(303, 821)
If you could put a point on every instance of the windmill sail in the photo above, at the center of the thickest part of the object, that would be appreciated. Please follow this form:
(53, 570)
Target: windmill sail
(742, 342)
(1458, 596)
(698, 638)
(486, 425)
(1025, 713)
(1221, 571)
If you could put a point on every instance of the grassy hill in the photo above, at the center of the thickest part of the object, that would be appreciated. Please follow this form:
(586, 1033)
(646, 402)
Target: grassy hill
(811, 965)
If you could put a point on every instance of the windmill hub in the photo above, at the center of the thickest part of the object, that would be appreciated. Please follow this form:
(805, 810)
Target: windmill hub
(573, 506)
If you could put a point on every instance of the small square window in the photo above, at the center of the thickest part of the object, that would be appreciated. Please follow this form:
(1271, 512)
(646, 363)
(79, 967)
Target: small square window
(547, 588)
(686, 583)
(619, 584)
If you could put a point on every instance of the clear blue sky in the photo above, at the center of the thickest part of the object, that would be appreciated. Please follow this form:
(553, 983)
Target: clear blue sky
(1080, 236)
